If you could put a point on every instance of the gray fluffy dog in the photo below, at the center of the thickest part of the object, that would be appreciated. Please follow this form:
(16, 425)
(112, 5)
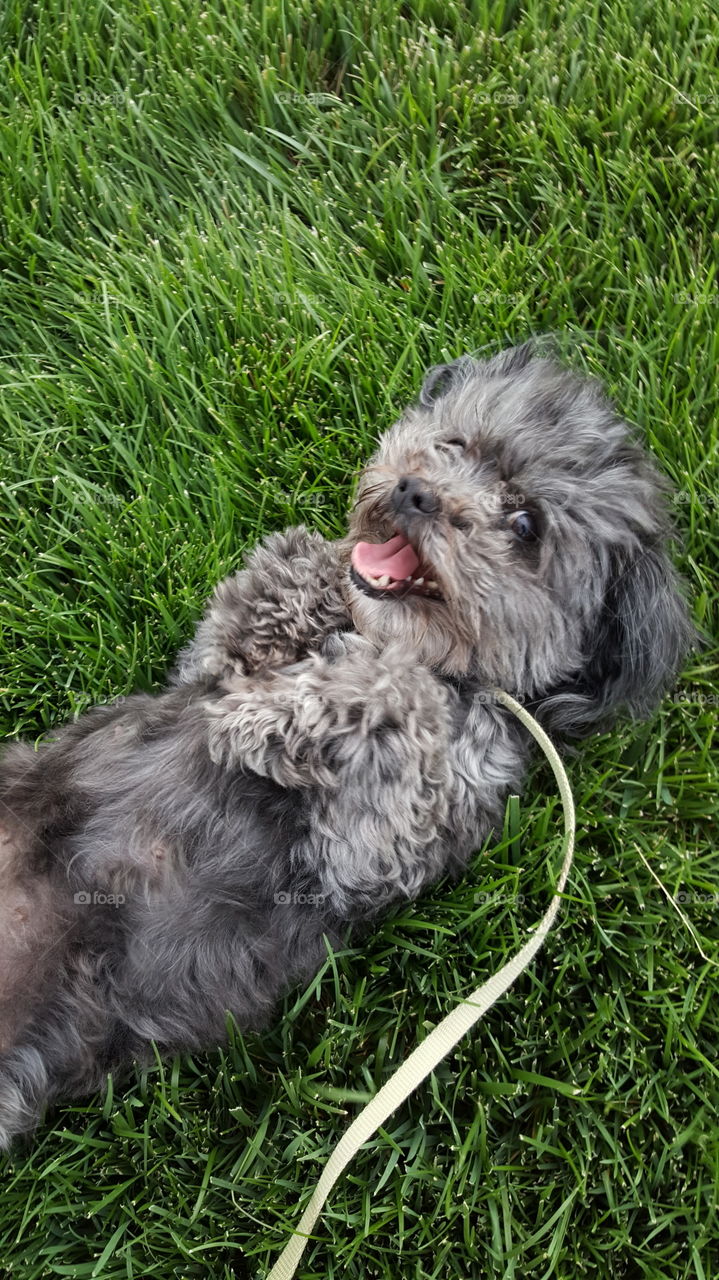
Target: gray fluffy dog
(328, 744)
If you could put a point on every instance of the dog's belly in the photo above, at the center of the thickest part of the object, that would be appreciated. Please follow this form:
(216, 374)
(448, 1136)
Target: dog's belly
(224, 931)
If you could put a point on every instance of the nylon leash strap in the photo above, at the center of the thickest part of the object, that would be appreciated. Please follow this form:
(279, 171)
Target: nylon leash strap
(442, 1039)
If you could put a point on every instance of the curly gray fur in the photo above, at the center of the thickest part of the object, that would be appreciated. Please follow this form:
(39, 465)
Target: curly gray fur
(327, 744)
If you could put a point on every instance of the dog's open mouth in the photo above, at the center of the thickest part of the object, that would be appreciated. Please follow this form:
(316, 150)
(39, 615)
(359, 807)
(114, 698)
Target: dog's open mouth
(383, 568)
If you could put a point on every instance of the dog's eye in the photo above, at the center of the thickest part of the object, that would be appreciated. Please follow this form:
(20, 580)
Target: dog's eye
(456, 443)
(524, 525)
(459, 523)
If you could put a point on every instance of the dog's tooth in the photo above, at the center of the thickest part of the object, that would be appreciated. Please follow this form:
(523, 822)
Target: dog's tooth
(432, 585)
(384, 581)
(418, 582)
(409, 578)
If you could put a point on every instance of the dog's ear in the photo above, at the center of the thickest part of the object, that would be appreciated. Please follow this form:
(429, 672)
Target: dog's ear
(634, 652)
(441, 377)
(513, 361)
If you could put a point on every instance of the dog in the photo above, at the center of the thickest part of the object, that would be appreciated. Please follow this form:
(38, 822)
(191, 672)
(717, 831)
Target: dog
(328, 743)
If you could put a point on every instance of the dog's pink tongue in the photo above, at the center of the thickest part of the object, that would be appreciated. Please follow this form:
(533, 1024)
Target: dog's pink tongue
(395, 558)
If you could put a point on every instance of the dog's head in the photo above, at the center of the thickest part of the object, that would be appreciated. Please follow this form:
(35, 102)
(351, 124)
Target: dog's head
(507, 528)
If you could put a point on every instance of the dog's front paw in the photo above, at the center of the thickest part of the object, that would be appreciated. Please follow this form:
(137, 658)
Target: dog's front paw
(275, 726)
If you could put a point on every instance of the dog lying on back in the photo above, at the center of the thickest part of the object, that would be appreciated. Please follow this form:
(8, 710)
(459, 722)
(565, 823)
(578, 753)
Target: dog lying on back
(328, 743)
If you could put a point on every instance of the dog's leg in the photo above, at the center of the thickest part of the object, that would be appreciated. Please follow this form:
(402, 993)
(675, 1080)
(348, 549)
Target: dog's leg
(65, 1051)
(488, 758)
(371, 731)
(280, 606)
(419, 790)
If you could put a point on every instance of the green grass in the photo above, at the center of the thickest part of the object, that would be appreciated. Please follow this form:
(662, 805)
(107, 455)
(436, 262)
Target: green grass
(216, 287)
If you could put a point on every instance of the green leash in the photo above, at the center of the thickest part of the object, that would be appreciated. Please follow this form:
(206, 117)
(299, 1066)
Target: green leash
(447, 1033)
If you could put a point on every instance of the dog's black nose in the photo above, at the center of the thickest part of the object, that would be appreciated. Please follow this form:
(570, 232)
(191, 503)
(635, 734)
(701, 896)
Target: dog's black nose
(410, 497)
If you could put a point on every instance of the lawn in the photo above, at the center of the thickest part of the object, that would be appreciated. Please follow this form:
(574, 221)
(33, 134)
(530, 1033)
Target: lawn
(232, 236)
